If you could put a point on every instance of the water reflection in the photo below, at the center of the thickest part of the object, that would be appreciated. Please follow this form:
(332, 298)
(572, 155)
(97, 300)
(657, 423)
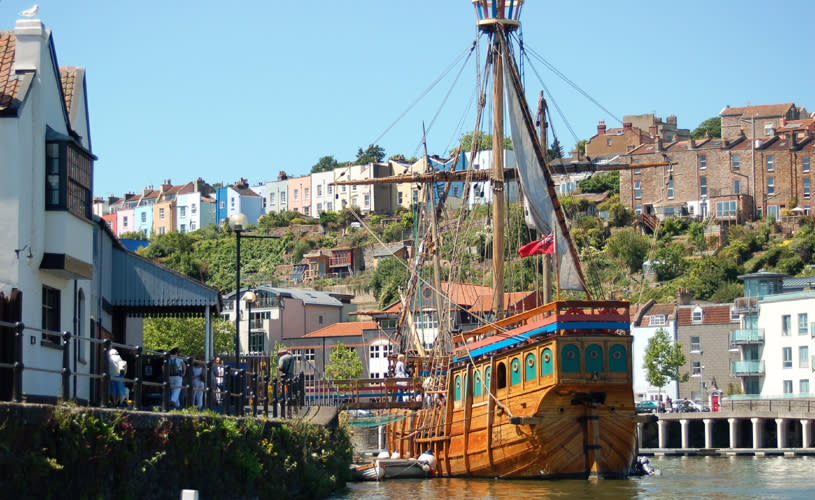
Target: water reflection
(683, 478)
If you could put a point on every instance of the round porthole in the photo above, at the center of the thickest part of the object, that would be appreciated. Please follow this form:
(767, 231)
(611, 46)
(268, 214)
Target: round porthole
(547, 357)
(571, 354)
(516, 366)
(593, 354)
(617, 355)
(530, 361)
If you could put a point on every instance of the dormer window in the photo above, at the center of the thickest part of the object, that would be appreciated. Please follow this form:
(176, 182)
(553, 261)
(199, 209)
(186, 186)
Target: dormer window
(68, 176)
(658, 320)
(697, 315)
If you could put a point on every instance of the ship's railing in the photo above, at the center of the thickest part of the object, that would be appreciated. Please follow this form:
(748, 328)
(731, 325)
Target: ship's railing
(367, 393)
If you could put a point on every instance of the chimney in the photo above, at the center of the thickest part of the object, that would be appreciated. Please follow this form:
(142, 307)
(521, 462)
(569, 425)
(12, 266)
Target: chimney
(658, 143)
(32, 38)
(601, 127)
(166, 185)
(146, 191)
(653, 130)
(671, 120)
(626, 125)
(683, 297)
(691, 143)
(281, 176)
(783, 122)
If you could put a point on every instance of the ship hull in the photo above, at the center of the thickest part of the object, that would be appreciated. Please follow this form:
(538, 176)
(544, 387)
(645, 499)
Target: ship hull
(559, 406)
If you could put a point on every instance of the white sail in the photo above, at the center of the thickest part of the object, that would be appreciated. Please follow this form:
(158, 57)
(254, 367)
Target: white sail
(537, 184)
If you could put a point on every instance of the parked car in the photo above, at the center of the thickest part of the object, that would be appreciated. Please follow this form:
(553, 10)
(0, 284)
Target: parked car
(646, 406)
(686, 405)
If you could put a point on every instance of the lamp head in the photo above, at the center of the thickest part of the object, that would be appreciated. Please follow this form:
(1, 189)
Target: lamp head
(238, 222)
(250, 297)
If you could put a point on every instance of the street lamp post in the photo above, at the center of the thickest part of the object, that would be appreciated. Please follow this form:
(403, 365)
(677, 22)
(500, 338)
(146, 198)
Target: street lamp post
(238, 223)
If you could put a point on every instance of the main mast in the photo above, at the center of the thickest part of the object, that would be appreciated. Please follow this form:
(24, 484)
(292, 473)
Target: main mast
(497, 17)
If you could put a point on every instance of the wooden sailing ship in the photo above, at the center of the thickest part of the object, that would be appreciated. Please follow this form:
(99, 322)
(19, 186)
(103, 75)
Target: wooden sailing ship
(546, 393)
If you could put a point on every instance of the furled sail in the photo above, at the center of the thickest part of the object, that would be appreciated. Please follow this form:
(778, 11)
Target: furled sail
(536, 182)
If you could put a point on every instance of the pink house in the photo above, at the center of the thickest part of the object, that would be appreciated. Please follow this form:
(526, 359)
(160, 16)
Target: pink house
(300, 194)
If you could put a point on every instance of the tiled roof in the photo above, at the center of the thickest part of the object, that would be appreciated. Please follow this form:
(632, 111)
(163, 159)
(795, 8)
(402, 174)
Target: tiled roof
(343, 329)
(67, 77)
(767, 110)
(717, 314)
(8, 82)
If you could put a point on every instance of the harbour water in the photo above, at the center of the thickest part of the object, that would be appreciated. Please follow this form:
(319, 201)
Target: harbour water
(719, 478)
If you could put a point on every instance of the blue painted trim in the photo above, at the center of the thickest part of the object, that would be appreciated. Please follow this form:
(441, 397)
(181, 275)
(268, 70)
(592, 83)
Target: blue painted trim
(552, 327)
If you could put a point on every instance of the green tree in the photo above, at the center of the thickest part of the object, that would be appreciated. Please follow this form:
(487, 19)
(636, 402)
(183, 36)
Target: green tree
(162, 334)
(373, 154)
(325, 164)
(663, 359)
(600, 183)
(555, 150)
(708, 274)
(669, 261)
(629, 247)
(484, 142)
(390, 274)
(712, 125)
(343, 363)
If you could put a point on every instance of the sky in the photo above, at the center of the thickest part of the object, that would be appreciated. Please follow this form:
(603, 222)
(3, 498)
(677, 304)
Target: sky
(181, 89)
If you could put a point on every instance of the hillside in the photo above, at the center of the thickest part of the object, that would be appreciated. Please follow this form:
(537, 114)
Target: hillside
(617, 257)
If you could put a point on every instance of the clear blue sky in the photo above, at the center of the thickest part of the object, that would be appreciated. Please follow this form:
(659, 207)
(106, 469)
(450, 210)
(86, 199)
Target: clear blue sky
(179, 89)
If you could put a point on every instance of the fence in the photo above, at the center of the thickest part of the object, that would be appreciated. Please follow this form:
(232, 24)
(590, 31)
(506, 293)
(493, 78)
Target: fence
(148, 377)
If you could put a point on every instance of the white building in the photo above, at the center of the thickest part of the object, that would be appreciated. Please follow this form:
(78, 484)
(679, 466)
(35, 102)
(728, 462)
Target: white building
(322, 199)
(787, 323)
(644, 324)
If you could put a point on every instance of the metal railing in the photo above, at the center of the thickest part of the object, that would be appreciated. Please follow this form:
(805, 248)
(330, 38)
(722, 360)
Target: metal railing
(239, 390)
(744, 368)
(747, 336)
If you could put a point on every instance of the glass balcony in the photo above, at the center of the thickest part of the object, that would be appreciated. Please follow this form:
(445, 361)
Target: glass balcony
(745, 305)
(746, 368)
(747, 336)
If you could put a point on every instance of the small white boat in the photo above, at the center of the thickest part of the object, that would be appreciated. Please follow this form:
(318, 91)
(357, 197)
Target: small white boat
(367, 472)
(404, 468)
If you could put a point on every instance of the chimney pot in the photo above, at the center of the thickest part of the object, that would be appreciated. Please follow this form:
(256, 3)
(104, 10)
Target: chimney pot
(601, 128)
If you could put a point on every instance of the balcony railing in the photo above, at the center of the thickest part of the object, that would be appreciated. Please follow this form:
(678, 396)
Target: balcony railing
(743, 305)
(746, 368)
(747, 336)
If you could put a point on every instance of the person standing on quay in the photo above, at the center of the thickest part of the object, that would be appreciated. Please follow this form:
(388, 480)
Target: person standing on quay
(176, 369)
(218, 374)
(198, 384)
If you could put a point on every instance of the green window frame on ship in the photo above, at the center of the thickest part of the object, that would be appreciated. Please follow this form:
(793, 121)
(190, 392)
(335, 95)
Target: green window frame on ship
(594, 358)
(570, 359)
(477, 383)
(617, 359)
(547, 363)
(530, 370)
(515, 372)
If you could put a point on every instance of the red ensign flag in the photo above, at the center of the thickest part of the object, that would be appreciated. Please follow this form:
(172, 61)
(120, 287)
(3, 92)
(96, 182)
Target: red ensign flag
(544, 245)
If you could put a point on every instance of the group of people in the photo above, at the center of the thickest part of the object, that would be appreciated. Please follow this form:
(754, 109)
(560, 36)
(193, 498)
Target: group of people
(177, 370)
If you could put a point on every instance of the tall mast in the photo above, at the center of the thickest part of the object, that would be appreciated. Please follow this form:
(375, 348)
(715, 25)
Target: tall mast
(497, 179)
(496, 17)
(547, 258)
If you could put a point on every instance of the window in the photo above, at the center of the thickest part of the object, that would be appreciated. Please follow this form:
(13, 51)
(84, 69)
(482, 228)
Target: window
(182, 212)
(768, 128)
(702, 161)
(183, 228)
(806, 187)
(805, 163)
(330, 206)
(330, 189)
(695, 345)
(657, 320)
(161, 213)
(50, 314)
(271, 199)
(282, 198)
(788, 387)
(637, 189)
(306, 210)
(787, 357)
(770, 163)
(804, 386)
(222, 205)
(162, 230)
(399, 198)
(770, 185)
(726, 208)
(803, 324)
(670, 188)
(256, 341)
(144, 217)
(308, 354)
(455, 191)
(637, 171)
(232, 202)
(192, 226)
(193, 209)
(698, 315)
(306, 195)
(670, 167)
(736, 161)
(638, 209)
(374, 351)
(124, 221)
(68, 175)
(703, 186)
(320, 319)
(296, 195)
(319, 190)
(367, 200)
(734, 314)
(786, 324)
(736, 186)
(608, 142)
(319, 208)
(803, 356)
(695, 368)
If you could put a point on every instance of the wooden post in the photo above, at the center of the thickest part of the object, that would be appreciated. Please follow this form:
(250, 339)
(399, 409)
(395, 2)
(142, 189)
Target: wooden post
(498, 177)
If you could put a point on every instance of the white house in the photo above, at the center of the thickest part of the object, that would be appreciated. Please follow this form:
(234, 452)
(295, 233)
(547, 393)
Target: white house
(322, 199)
(46, 167)
(645, 323)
